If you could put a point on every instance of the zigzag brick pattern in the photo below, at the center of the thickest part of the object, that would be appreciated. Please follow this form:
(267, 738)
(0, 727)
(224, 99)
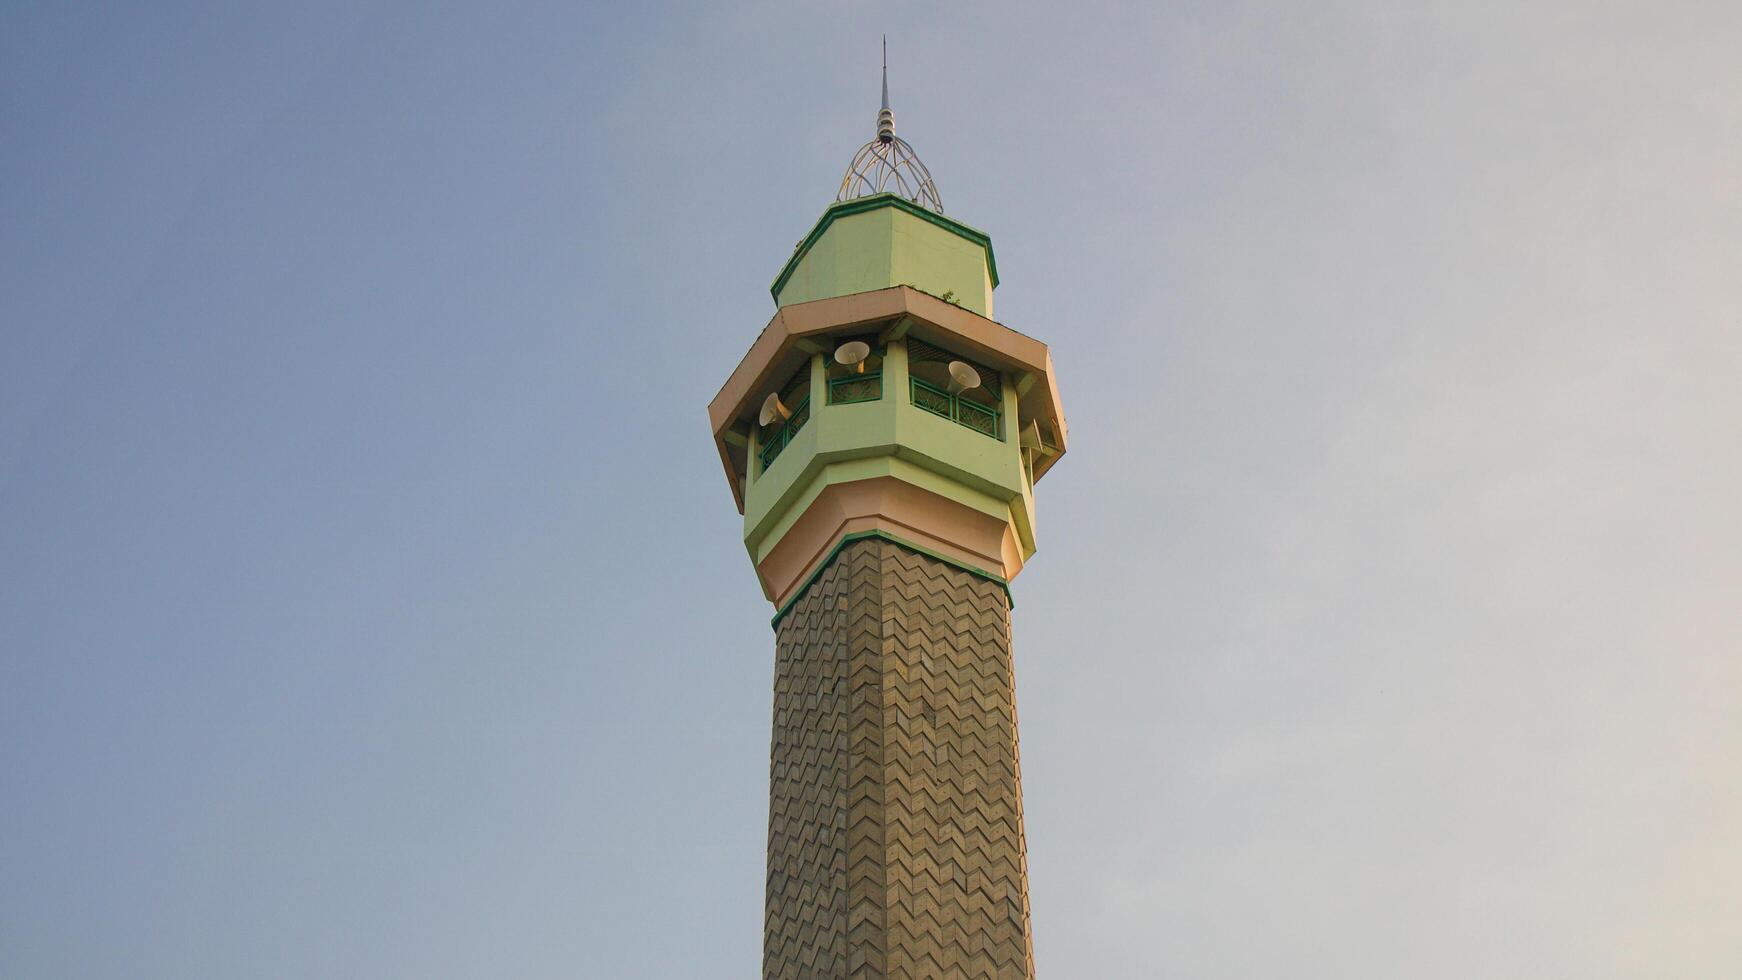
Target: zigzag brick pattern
(895, 843)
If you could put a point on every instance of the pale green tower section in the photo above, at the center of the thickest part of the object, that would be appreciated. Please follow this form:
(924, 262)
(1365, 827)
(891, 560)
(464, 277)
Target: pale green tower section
(885, 240)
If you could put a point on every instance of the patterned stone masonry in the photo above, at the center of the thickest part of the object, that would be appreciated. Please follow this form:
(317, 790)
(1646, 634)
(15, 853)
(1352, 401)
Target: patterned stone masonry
(895, 842)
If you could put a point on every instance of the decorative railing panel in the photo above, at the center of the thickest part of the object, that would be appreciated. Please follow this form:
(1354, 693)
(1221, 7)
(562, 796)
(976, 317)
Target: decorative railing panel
(778, 441)
(855, 388)
(980, 418)
(934, 400)
(962, 411)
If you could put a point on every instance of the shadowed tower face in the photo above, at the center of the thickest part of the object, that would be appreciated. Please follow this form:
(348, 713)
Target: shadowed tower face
(882, 439)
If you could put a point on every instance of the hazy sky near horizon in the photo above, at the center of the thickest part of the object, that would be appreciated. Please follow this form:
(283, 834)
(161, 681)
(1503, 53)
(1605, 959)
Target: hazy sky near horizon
(372, 603)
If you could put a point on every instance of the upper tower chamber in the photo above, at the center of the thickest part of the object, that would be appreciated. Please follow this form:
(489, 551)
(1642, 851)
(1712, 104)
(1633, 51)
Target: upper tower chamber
(882, 396)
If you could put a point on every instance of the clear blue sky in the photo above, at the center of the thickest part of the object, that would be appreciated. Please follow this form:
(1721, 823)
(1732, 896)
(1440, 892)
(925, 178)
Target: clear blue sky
(372, 603)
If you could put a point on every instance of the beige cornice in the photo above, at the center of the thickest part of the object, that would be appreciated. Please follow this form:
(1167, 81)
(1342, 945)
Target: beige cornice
(906, 512)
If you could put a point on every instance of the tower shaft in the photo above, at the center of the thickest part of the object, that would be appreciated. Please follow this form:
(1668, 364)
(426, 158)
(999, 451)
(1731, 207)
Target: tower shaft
(895, 839)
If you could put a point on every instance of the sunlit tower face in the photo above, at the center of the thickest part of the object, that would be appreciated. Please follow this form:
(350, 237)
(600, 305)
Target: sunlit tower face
(882, 439)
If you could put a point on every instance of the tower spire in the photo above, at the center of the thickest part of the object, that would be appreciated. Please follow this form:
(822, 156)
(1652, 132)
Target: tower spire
(887, 164)
(885, 71)
(886, 116)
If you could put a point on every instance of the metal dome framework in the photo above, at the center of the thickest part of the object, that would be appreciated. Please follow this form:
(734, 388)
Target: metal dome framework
(889, 165)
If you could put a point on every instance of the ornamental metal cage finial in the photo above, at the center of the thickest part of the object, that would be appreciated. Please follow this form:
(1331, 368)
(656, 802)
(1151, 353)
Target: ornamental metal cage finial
(888, 163)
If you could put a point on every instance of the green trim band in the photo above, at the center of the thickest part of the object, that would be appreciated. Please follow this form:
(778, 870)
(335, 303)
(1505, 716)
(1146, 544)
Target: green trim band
(892, 539)
(859, 205)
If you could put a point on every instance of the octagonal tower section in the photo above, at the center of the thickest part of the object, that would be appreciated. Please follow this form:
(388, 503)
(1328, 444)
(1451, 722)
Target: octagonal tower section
(882, 400)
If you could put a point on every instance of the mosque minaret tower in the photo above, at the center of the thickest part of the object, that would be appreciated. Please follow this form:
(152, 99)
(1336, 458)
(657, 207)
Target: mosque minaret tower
(882, 439)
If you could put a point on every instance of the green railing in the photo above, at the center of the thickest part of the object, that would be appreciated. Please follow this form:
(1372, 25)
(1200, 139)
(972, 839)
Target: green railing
(962, 411)
(800, 415)
(856, 388)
